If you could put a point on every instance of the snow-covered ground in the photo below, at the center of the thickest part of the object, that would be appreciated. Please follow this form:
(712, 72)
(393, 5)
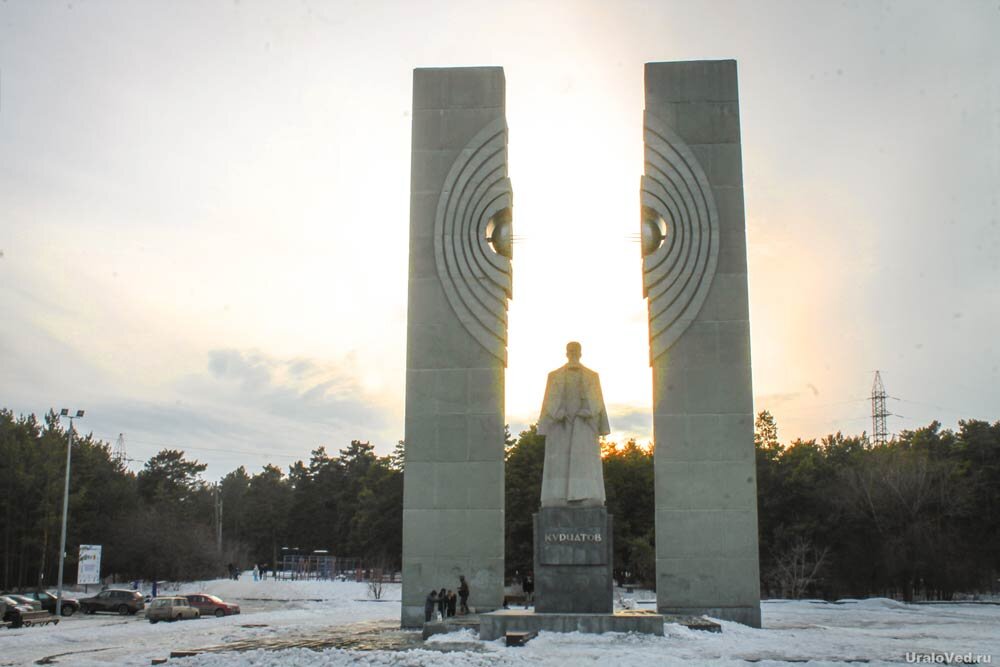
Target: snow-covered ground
(869, 631)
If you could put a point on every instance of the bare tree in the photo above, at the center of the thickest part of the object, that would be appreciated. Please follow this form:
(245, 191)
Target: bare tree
(376, 580)
(797, 566)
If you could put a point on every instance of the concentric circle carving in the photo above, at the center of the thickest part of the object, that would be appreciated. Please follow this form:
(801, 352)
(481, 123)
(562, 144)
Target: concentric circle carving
(471, 238)
(680, 233)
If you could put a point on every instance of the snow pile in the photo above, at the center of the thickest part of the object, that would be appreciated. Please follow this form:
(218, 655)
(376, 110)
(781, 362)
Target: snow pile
(870, 603)
(285, 590)
(307, 658)
(463, 636)
(875, 632)
(878, 632)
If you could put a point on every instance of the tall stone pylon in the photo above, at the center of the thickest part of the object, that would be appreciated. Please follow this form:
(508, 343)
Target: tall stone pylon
(456, 351)
(695, 280)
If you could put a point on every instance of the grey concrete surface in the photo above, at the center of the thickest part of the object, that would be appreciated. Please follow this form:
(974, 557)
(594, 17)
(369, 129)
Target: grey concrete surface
(496, 624)
(696, 283)
(453, 505)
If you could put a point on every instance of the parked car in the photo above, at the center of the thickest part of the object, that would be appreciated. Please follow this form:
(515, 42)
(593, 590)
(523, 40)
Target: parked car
(210, 605)
(48, 601)
(24, 600)
(13, 612)
(118, 600)
(170, 608)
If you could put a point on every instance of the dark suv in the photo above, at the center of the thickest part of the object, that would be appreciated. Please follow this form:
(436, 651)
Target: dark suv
(48, 600)
(118, 600)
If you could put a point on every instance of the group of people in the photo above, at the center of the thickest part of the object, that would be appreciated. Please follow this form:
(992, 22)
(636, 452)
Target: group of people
(446, 601)
(259, 572)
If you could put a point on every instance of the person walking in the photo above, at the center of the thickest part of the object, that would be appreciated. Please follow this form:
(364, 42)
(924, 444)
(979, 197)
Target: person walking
(429, 604)
(256, 572)
(452, 601)
(463, 594)
(528, 586)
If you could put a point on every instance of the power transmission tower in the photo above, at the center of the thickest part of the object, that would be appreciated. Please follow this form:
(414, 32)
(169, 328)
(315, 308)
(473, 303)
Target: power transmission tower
(879, 413)
(118, 454)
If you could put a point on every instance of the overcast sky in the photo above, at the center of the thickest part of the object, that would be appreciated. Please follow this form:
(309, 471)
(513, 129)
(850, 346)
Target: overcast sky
(204, 209)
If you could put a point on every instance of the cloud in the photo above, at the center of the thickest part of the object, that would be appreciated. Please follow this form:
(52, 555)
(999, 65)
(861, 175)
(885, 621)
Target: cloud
(629, 419)
(314, 391)
(172, 421)
(235, 365)
(248, 408)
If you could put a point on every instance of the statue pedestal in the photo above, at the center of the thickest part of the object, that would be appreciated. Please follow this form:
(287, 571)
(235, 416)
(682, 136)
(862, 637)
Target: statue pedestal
(573, 585)
(573, 559)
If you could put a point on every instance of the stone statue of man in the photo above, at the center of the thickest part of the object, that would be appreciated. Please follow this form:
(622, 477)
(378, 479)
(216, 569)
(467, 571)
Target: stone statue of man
(573, 416)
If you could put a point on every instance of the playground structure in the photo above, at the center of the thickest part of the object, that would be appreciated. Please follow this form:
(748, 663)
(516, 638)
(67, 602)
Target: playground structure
(322, 565)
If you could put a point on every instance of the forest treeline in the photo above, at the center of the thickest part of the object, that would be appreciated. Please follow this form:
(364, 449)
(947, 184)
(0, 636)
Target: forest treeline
(917, 517)
(161, 523)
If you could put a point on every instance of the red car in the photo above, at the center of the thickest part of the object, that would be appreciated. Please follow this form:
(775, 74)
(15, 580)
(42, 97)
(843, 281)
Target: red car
(209, 605)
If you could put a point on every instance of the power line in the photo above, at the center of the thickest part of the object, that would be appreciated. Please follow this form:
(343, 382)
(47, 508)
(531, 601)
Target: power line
(215, 449)
(878, 416)
(822, 419)
(817, 406)
(927, 405)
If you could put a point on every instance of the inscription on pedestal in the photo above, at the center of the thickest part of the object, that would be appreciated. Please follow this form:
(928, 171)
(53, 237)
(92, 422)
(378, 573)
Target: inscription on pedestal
(573, 537)
(573, 560)
(594, 536)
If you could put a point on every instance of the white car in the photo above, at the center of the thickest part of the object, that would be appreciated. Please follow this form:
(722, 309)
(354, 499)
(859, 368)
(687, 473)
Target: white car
(174, 608)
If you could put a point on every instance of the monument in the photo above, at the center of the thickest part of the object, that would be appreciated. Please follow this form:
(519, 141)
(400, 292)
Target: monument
(695, 279)
(574, 585)
(459, 284)
(573, 552)
(572, 419)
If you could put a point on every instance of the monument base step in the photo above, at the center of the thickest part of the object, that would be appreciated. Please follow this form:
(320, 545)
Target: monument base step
(693, 622)
(451, 624)
(496, 624)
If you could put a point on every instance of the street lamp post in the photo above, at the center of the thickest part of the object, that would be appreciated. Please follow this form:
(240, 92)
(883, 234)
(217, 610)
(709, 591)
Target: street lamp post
(62, 540)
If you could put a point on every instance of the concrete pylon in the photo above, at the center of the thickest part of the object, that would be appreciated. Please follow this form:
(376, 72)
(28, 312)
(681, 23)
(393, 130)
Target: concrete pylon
(695, 280)
(459, 284)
